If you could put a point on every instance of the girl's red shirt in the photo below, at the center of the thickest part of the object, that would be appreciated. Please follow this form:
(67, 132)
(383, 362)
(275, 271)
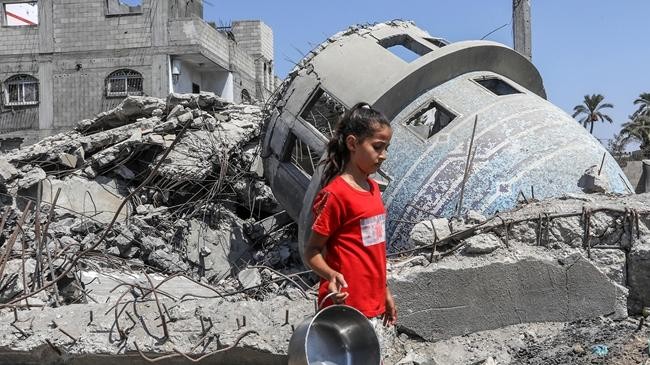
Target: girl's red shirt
(354, 222)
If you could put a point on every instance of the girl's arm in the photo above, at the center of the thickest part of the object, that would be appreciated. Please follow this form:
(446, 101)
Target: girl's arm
(390, 316)
(315, 260)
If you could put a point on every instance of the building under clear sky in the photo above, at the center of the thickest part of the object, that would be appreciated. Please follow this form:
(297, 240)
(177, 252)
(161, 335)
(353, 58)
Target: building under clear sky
(580, 47)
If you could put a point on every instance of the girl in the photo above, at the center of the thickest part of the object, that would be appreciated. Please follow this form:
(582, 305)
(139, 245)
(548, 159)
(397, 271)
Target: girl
(347, 246)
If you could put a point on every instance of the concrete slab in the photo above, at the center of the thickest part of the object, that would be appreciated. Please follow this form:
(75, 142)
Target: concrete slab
(439, 303)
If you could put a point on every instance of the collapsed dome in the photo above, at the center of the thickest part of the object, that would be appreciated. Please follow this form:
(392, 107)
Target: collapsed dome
(433, 92)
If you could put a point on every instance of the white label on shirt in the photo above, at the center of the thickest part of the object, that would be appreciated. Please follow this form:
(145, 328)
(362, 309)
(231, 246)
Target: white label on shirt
(373, 230)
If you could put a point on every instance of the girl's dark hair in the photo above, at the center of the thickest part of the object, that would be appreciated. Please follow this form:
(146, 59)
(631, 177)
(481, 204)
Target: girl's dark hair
(360, 121)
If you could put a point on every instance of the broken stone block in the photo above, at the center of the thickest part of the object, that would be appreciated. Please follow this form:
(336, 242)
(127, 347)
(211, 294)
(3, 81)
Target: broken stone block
(227, 245)
(68, 160)
(255, 195)
(7, 171)
(638, 277)
(425, 232)
(131, 108)
(482, 244)
(474, 217)
(97, 198)
(150, 244)
(443, 300)
(592, 182)
(249, 278)
(203, 100)
(12, 279)
(611, 262)
(33, 174)
(167, 261)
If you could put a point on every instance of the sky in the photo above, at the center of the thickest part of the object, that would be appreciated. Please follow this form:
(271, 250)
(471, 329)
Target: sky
(579, 46)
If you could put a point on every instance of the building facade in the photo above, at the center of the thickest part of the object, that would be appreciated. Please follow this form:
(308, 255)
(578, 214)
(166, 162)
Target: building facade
(66, 60)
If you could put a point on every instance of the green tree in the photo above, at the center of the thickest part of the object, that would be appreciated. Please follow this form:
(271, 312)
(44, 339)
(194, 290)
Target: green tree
(638, 129)
(591, 110)
(644, 105)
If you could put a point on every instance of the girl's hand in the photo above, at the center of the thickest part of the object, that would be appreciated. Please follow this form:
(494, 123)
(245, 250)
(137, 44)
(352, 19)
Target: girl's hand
(390, 316)
(336, 283)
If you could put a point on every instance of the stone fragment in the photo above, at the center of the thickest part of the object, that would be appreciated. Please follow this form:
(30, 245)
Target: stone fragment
(167, 261)
(131, 108)
(226, 243)
(68, 160)
(249, 278)
(592, 182)
(474, 217)
(32, 175)
(98, 198)
(12, 281)
(425, 232)
(7, 171)
(638, 277)
(482, 244)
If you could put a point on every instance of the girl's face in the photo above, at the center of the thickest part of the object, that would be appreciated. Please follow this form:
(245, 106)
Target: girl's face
(368, 154)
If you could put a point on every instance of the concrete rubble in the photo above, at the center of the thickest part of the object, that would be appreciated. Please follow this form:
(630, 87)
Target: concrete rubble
(155, 238)
(153, 192)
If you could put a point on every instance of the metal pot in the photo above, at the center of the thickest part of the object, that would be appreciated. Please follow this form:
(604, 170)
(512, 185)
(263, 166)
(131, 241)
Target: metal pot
(336, 335)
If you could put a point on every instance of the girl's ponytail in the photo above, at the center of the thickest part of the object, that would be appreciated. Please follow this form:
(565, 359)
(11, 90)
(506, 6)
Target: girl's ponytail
(360, 121)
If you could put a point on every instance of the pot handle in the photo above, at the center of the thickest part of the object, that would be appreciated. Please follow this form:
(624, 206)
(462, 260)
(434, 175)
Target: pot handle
(320, 305)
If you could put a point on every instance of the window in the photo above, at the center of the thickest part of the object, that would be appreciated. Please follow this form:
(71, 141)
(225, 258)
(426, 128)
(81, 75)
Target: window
(304, 157)
(196, 89)
(21, 90)
(430, 120)
(21, 14)
(124, 82)
(123, 7)
(497, 86)
(323, 112)
(404, 47)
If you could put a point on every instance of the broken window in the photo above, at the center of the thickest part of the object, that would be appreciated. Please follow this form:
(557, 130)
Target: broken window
(323, 112)
(430, 120)
(404, 47)
(21, 90)
(21, 14)
(123, 7)
(497, 86)
(123, 83)
(304, 157)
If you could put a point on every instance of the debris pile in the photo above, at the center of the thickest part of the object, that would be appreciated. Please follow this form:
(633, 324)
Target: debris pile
(130, 218)
(148, 234)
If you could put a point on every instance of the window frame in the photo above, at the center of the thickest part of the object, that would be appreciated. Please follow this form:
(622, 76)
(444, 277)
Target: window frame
(408, 42)
(107, 10)
(429, 105)
(20, 81)
(3, 14)
(479, 78)
(127, 74)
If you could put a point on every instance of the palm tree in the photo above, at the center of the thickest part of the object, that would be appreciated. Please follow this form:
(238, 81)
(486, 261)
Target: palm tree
(644, 105)
(638, 129)
(591, 108)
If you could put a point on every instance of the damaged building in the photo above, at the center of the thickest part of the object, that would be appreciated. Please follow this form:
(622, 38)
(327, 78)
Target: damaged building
(147, 234)
(472, 129)
(63, 61)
